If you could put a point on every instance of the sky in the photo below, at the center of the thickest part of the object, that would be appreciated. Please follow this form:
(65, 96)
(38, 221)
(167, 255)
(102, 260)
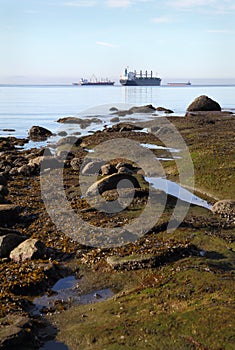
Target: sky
(59, 41)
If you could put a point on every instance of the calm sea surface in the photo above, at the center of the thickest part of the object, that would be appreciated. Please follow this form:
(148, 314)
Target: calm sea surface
(24, 106)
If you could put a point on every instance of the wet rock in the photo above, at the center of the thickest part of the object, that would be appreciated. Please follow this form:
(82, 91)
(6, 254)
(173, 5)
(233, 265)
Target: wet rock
(75, 163)
(110, 182)
(8, 130)
(141, 109)
(84, 123)
(115, 120)
(113, 109)
(8, 243)
(14, 330)
(62, 133)
(165, 110)
(30, 249)
(38, 133)
(92, 168)
(8, 213)
(203, 103)
(108, 169)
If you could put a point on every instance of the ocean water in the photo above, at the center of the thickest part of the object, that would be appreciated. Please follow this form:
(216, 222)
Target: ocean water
(24, 106)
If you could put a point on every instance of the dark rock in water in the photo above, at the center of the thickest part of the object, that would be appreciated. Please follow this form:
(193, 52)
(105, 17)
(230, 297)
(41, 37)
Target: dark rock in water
(203, 103)
(162, 109)
(62, 133)
(30, 249)
(8, 130)
(141, 109)
(38, 133)
(8, 243)
(8, 213)
(84, 123)
(115, 120)
(110, 182)
(113, 109)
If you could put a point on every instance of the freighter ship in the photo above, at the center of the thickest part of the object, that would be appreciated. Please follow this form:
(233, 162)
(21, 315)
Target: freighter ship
(94, 81)
(139, 79)
(179, 84)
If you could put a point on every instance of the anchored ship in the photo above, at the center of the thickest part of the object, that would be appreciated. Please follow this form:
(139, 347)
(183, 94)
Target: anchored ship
(179, 84)
(139, 79)
(94, 81)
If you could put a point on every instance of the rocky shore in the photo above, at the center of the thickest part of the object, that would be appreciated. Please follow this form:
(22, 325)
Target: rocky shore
(174, 289)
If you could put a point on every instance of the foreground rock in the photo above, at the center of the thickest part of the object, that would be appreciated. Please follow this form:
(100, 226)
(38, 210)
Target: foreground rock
(38, 133)
(30, 249)
(203, 103)
(110, 182)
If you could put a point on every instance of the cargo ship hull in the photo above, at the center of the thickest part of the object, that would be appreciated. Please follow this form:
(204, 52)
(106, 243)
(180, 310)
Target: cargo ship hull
(139, 79)
(141, 82)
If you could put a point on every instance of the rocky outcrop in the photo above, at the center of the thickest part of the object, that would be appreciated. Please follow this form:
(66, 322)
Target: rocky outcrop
(84, 123)
(203, 103)
(165, 110)
(139, 109)
(38, 133)
(30, 249)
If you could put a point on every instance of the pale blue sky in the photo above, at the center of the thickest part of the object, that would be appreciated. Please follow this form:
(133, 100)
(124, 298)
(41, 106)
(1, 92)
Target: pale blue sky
(64, 40)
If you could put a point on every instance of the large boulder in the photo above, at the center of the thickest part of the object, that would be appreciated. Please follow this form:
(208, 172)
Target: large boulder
(30, 249)
(111, 182)
(203, 103)
(38, 133)
(8, 242)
